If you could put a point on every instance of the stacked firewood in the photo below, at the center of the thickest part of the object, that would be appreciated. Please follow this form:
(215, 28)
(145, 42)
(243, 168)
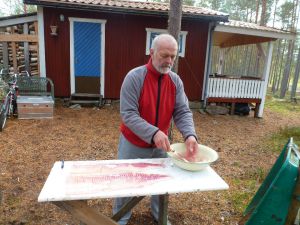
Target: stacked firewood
(20, 53)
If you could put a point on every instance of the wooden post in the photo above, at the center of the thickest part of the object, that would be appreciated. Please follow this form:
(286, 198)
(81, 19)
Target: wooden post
(81, 211)
(36, 29)
(26, 49)
(14, 55)
(5, 55)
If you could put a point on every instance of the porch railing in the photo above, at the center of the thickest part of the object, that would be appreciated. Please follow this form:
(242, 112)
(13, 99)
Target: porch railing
(235, 88)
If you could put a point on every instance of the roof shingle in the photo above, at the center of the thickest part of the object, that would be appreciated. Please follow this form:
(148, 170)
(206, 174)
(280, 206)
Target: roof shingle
(134, 5)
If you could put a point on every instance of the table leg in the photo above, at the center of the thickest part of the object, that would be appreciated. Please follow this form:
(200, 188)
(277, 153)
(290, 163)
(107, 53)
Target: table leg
(86, 214)
(163, 209)
(128, 206)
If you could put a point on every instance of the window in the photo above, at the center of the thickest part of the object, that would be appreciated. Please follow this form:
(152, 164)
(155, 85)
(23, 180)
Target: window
(152, 33)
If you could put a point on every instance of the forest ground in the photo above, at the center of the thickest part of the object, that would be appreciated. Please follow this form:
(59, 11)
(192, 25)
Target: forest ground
(30, 147)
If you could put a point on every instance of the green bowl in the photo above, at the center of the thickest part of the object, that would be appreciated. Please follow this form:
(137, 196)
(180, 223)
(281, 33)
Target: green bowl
(205, 157)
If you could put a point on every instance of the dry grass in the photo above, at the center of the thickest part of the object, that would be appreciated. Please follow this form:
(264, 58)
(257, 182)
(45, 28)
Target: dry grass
(30, 147)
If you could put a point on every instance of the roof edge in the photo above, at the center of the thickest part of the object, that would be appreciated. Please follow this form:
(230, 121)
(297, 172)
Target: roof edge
(18, 19)
(115, 9)
(256, 32)
(18, 16)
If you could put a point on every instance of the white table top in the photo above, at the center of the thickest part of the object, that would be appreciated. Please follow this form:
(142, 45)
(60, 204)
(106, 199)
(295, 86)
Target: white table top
(83, 180)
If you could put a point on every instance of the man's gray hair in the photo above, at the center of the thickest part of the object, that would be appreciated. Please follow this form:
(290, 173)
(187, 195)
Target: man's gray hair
(160, 37)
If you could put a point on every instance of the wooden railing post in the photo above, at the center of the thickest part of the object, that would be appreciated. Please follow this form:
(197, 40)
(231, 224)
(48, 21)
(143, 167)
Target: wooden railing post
(5, 54)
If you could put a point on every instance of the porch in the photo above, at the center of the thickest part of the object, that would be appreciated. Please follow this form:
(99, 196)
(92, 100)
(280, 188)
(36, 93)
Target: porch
(242, 85)
(235, 90)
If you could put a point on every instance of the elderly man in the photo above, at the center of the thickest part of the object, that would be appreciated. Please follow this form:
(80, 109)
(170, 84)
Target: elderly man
(151, 95)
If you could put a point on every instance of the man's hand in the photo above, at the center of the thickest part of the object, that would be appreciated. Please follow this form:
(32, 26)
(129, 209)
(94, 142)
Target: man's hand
(191, 148)
(161, 141)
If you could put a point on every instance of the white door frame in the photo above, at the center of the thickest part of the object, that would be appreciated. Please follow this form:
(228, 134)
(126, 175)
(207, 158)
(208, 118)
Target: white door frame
(72, 65)
(41, 43)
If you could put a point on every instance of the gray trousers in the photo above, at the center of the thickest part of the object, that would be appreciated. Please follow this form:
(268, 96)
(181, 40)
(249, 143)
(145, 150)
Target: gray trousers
(127, 150)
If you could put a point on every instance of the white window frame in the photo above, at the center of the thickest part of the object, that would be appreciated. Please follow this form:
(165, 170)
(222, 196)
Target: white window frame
(182, 40)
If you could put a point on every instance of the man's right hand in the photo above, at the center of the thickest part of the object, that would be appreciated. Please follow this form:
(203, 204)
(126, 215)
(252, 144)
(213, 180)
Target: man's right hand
(161, 141)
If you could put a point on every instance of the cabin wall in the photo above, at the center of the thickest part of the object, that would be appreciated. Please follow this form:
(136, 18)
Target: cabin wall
(125, 44)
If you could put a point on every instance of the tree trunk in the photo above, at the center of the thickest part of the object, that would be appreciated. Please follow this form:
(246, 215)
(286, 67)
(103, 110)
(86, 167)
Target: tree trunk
(227, 61)
(297, 15)
(174, 27)
(274, 15)
(280, 68)
(257, 62)
(174, 24)
(275, 67)
(249, 61)
(274, 61)
(244, 73)
(241, 53)
(294, 16)
(263, 13)
(296, 77)
(286, 74)
(257, 10)
(221, 58)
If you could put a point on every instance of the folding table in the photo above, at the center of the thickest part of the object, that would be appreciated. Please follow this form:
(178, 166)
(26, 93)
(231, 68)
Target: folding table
(71, 183)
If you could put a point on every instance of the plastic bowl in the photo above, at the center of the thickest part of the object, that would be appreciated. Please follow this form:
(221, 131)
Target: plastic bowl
(205, 155)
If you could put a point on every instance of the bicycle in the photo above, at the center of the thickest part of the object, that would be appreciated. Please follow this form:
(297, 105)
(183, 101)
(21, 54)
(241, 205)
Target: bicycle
(9, 102)
(8, 107)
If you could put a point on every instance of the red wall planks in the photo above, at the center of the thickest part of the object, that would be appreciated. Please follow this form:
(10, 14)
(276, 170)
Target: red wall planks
(125, 47)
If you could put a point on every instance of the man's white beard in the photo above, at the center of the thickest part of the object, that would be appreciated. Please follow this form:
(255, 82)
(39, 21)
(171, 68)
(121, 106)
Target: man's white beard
(164, 70)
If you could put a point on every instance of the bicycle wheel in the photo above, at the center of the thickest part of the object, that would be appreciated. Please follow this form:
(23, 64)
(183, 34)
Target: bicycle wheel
(14, 106)
(3, 117)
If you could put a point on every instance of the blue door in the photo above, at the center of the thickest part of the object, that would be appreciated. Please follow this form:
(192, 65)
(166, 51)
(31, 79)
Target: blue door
(87, 57)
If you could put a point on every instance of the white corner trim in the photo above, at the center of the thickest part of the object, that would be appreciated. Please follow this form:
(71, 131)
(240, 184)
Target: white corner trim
(41, 44)
(72, 66)
(207, 62)
(164, 31)
(102, 77)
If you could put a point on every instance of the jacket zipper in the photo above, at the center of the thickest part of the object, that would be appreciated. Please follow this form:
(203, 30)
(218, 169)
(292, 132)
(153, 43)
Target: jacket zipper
(158, 99)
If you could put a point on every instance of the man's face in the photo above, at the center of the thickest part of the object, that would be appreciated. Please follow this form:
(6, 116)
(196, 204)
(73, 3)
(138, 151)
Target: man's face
(164, 56)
